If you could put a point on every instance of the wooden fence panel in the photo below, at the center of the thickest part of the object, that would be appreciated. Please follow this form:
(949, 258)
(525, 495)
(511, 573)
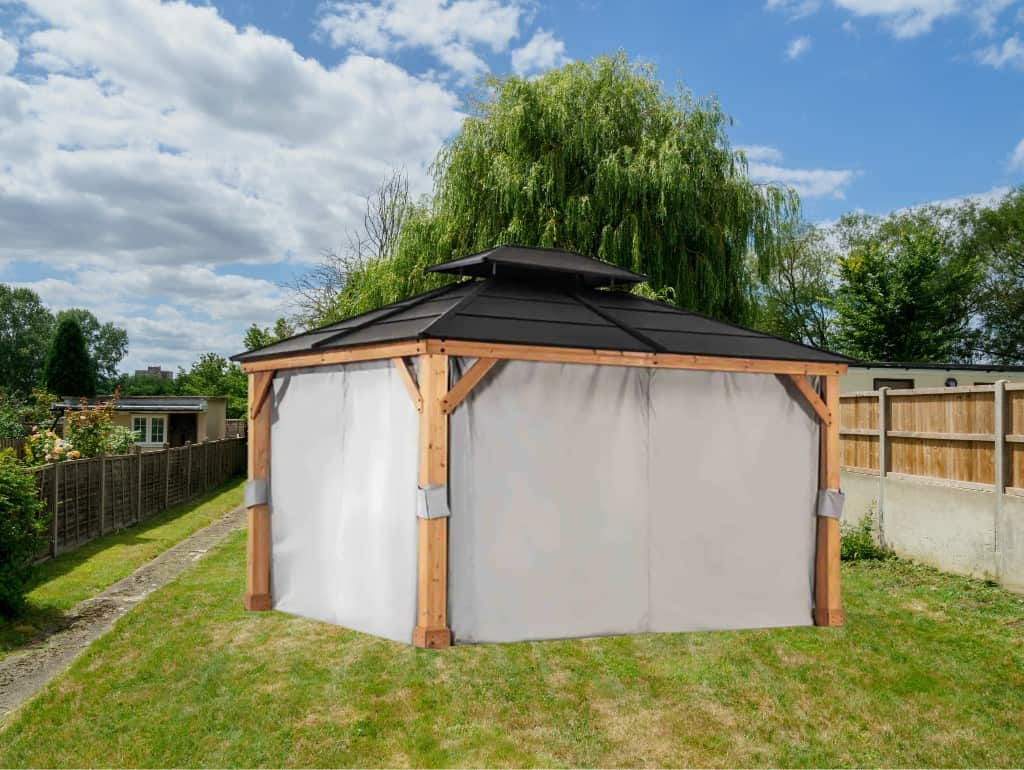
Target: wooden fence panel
(939, 433)
(1015, 437)
(17, 444)
(858, 416)
(92, 497)
(120, 502)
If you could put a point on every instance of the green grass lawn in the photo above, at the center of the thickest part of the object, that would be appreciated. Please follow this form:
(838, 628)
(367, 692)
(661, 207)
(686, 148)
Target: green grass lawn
(61, 583)
(929, 671)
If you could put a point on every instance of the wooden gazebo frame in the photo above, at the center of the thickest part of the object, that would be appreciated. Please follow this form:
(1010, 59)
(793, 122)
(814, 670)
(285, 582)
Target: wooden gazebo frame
(435, 401)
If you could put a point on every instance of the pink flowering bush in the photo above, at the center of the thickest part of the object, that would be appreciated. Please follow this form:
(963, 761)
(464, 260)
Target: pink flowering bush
(45, 446)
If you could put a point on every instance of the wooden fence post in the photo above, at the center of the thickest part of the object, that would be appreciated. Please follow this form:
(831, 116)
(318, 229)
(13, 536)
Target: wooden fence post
(138, 491)
(56, 508)
(188, 473)
(103, 493)
(167, 478)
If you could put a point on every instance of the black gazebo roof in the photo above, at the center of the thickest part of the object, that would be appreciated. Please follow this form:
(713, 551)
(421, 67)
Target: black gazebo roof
(546, 297)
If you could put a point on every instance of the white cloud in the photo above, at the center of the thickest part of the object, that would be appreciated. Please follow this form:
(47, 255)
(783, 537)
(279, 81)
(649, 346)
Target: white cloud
(450, 30)
(764, 165)
(797, 47)
(794, 9)
(761, 153)
(159, 147)
(1017, 157)
(544, 51)
(905, 18)
(8, 56)
(1010, 53)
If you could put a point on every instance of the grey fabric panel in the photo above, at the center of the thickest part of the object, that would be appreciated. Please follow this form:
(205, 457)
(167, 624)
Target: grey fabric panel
(547, 487)
(733, 488)
(597, 500)
(343, 497)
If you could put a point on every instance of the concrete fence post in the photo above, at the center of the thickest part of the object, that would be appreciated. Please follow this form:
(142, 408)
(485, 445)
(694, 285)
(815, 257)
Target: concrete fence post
(883, 458)
(999, 462)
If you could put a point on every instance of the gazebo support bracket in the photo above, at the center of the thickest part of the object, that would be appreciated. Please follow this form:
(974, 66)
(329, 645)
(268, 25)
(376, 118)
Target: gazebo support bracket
(410, 383)
(466, 383)
(260, 397)
(808, 392)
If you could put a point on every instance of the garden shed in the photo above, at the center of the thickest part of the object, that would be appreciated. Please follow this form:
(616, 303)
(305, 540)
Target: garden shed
(532, 452)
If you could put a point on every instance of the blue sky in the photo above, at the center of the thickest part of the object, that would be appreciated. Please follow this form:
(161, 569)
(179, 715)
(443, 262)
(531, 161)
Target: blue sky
(170, 165)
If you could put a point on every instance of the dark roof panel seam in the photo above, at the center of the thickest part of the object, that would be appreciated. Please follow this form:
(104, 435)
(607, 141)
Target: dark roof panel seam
(632, 332)
(394, 310)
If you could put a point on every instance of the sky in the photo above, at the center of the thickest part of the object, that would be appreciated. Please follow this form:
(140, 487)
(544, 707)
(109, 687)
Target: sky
(171, 166)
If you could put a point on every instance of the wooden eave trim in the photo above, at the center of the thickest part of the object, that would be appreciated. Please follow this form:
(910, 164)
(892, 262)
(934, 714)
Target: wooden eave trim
(335, 356)
(466, 383)
(410, 384)
(544, 354)
(812, 397)
(629, 358)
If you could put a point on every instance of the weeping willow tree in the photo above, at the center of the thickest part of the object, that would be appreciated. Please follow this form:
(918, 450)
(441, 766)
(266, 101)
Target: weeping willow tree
(595, 157)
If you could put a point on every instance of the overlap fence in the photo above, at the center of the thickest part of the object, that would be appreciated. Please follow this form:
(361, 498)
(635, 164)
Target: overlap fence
(972, 437)
(233, 427)
(93, 497)
(17, 444)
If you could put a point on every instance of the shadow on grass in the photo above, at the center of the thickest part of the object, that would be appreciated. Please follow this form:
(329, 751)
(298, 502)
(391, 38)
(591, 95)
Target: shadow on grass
(42, 618)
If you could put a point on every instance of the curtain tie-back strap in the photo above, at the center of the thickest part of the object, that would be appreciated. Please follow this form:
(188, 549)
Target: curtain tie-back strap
(256, 492)
(432, 502)
(830, 503)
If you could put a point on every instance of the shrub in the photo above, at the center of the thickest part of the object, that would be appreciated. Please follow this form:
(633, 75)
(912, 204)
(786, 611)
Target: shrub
(858, 541)
(45, 446)
(89, 430)
(23, 521)
(20, 415)
(120, 440)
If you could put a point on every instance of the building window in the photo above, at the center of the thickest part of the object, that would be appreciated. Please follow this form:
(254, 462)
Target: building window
(149, 430)
(892, 384)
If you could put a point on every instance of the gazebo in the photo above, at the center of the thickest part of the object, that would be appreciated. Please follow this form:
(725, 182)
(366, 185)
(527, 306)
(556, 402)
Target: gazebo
(533, 452)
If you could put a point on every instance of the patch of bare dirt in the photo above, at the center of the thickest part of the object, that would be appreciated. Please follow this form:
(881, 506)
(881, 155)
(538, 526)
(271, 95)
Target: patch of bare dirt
(24, 673)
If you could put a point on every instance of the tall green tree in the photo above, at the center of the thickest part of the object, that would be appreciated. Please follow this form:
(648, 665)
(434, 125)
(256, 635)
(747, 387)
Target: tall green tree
(69, 370)
(214, 375)
(145, 385)
(595, 157)
(26, 328)
(998, 239)
(107, 344)
(908, 288)
(259, 336)
(796, 299)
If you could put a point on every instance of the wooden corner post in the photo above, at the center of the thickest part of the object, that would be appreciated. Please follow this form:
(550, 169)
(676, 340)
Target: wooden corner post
(257, 567)
(828, 608)
(432, 560)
